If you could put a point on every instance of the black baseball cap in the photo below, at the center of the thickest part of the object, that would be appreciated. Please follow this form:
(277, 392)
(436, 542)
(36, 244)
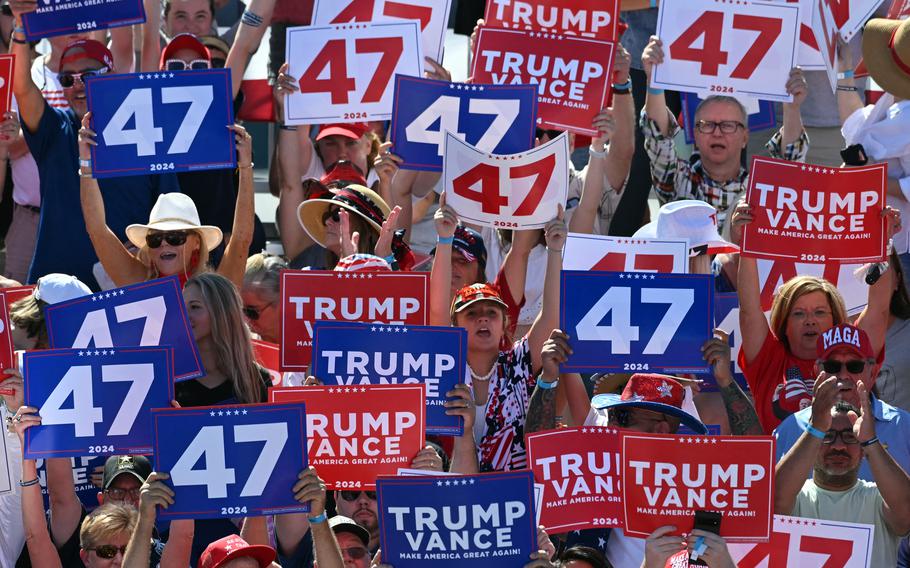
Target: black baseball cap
(138, 466)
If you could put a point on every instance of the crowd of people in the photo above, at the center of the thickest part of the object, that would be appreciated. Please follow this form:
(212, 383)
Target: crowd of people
(825, 384)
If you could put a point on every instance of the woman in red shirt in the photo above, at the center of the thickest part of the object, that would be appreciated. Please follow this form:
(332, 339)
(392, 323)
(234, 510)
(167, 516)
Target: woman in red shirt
(778, 359)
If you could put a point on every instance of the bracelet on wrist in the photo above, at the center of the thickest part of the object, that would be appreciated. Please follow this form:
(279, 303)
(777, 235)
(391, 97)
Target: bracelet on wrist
(869, 442)
(17, 40)
(83, 163)
(542, 384)
(848, 74)
(815, 432)
(28, 483)
(652, 91)
(19, 30)
(551, 249)
(847, 88)
(288, 127)
(320, 518)
(622, 88)
(445, 240)
(244, 167)
(598, 154)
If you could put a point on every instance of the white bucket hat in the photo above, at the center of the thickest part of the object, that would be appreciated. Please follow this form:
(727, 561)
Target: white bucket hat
(174, 212)
(55, 288)
(688, 219)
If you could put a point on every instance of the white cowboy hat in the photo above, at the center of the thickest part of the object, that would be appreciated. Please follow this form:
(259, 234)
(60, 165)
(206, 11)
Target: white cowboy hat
(688, 219)
(174, 212)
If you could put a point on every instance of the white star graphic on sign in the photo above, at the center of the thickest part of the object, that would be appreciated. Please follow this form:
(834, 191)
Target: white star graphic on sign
(373, 328)
(601, 543)
(665, 390)
(243, 412)
(471, 481)
(404, 330)
(212, 413)
(97, 352)
(439, 483)
(397, 329)
(220, 413)
(80, 353)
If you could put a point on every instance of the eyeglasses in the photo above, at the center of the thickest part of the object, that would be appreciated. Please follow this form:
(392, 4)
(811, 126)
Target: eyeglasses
(551, 134)
(846, 436)
(354, 495)
(726, 126)
(333, 213)
(252, 312)
(118, 494)
(67, 80)
(854, 366)
(108, 551)
(173, 238)
(181, 65)
(356, 552)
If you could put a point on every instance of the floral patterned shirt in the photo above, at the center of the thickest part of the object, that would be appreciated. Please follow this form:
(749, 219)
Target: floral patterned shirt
(501, 447)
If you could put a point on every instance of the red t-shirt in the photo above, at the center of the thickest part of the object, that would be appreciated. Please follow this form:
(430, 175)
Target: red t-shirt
(772, 368)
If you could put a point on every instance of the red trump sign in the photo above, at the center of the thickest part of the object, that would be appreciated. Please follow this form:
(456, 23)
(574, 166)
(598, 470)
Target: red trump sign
(667, 478)
(355, 434)
(572, 74)
(596, 19)
(579, 468)
(373, 297)
(817, 214)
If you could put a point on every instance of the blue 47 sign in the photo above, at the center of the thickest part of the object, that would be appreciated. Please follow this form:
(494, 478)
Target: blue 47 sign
(172, 121)
(628, 322)
(147, 314)
(482, 521)
(95, 402)
(231, 461)
(497, 119)
(369, 354)
(62, 17)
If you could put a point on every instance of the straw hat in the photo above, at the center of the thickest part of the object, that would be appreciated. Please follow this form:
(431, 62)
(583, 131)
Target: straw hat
(886, 51)
(174, 212)
(357, 199)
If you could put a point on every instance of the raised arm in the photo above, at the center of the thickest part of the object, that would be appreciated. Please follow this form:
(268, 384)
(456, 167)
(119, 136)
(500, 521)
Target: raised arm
(464, 455)
(622, 138)
(848, 101)
(791, 471)
(41, 548)
(120, 264)
(122, 49)
(751, 317)
(548, 318)
(28, 95)
(290, 529)
(151, 37)
(740, 410)
(441, 274)
(514, 267)
(792, 128)
(655, 102)
(233, 264)
(246, 42)
(875, 316)
(542, 406)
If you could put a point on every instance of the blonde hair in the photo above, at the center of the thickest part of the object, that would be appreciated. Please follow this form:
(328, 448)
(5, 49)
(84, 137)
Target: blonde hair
(106, 522)
(263, 271)
(230, 335)
(201, 266)
(793, 290)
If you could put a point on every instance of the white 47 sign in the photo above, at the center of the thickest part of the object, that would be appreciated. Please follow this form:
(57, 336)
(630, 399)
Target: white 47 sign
(517, 191)
(345, 72)
(734, 48)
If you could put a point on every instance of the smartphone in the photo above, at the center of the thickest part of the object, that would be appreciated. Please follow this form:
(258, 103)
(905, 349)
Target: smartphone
(708, 521)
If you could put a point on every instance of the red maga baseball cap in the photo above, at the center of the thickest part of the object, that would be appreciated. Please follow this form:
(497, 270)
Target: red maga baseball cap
(230, 547)
(844, 336)
(353, 130)
(87, 49)
(184, 41)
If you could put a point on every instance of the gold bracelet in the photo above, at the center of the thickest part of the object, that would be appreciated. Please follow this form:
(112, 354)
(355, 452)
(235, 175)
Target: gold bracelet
(239, 167)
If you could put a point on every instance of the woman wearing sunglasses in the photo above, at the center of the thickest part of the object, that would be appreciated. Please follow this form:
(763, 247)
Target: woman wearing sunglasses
(173, 241)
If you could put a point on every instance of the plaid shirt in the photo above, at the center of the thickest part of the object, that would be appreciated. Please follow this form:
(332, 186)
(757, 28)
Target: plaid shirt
(674, 178)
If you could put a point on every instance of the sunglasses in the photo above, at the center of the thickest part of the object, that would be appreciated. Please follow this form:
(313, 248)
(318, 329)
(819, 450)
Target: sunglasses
(173, 238)
(353, 495)
(181, 65)
(855, 366)
(118, 494)
(108, 551)
(333, 213)
(218, 63)
(67, 80)
(252, 313)
(356, 553)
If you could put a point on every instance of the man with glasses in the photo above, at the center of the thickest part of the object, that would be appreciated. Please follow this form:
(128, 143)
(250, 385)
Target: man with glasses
(714, 173)
(832, 446)
(62, 243)
(360, 506)
(845, 355)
